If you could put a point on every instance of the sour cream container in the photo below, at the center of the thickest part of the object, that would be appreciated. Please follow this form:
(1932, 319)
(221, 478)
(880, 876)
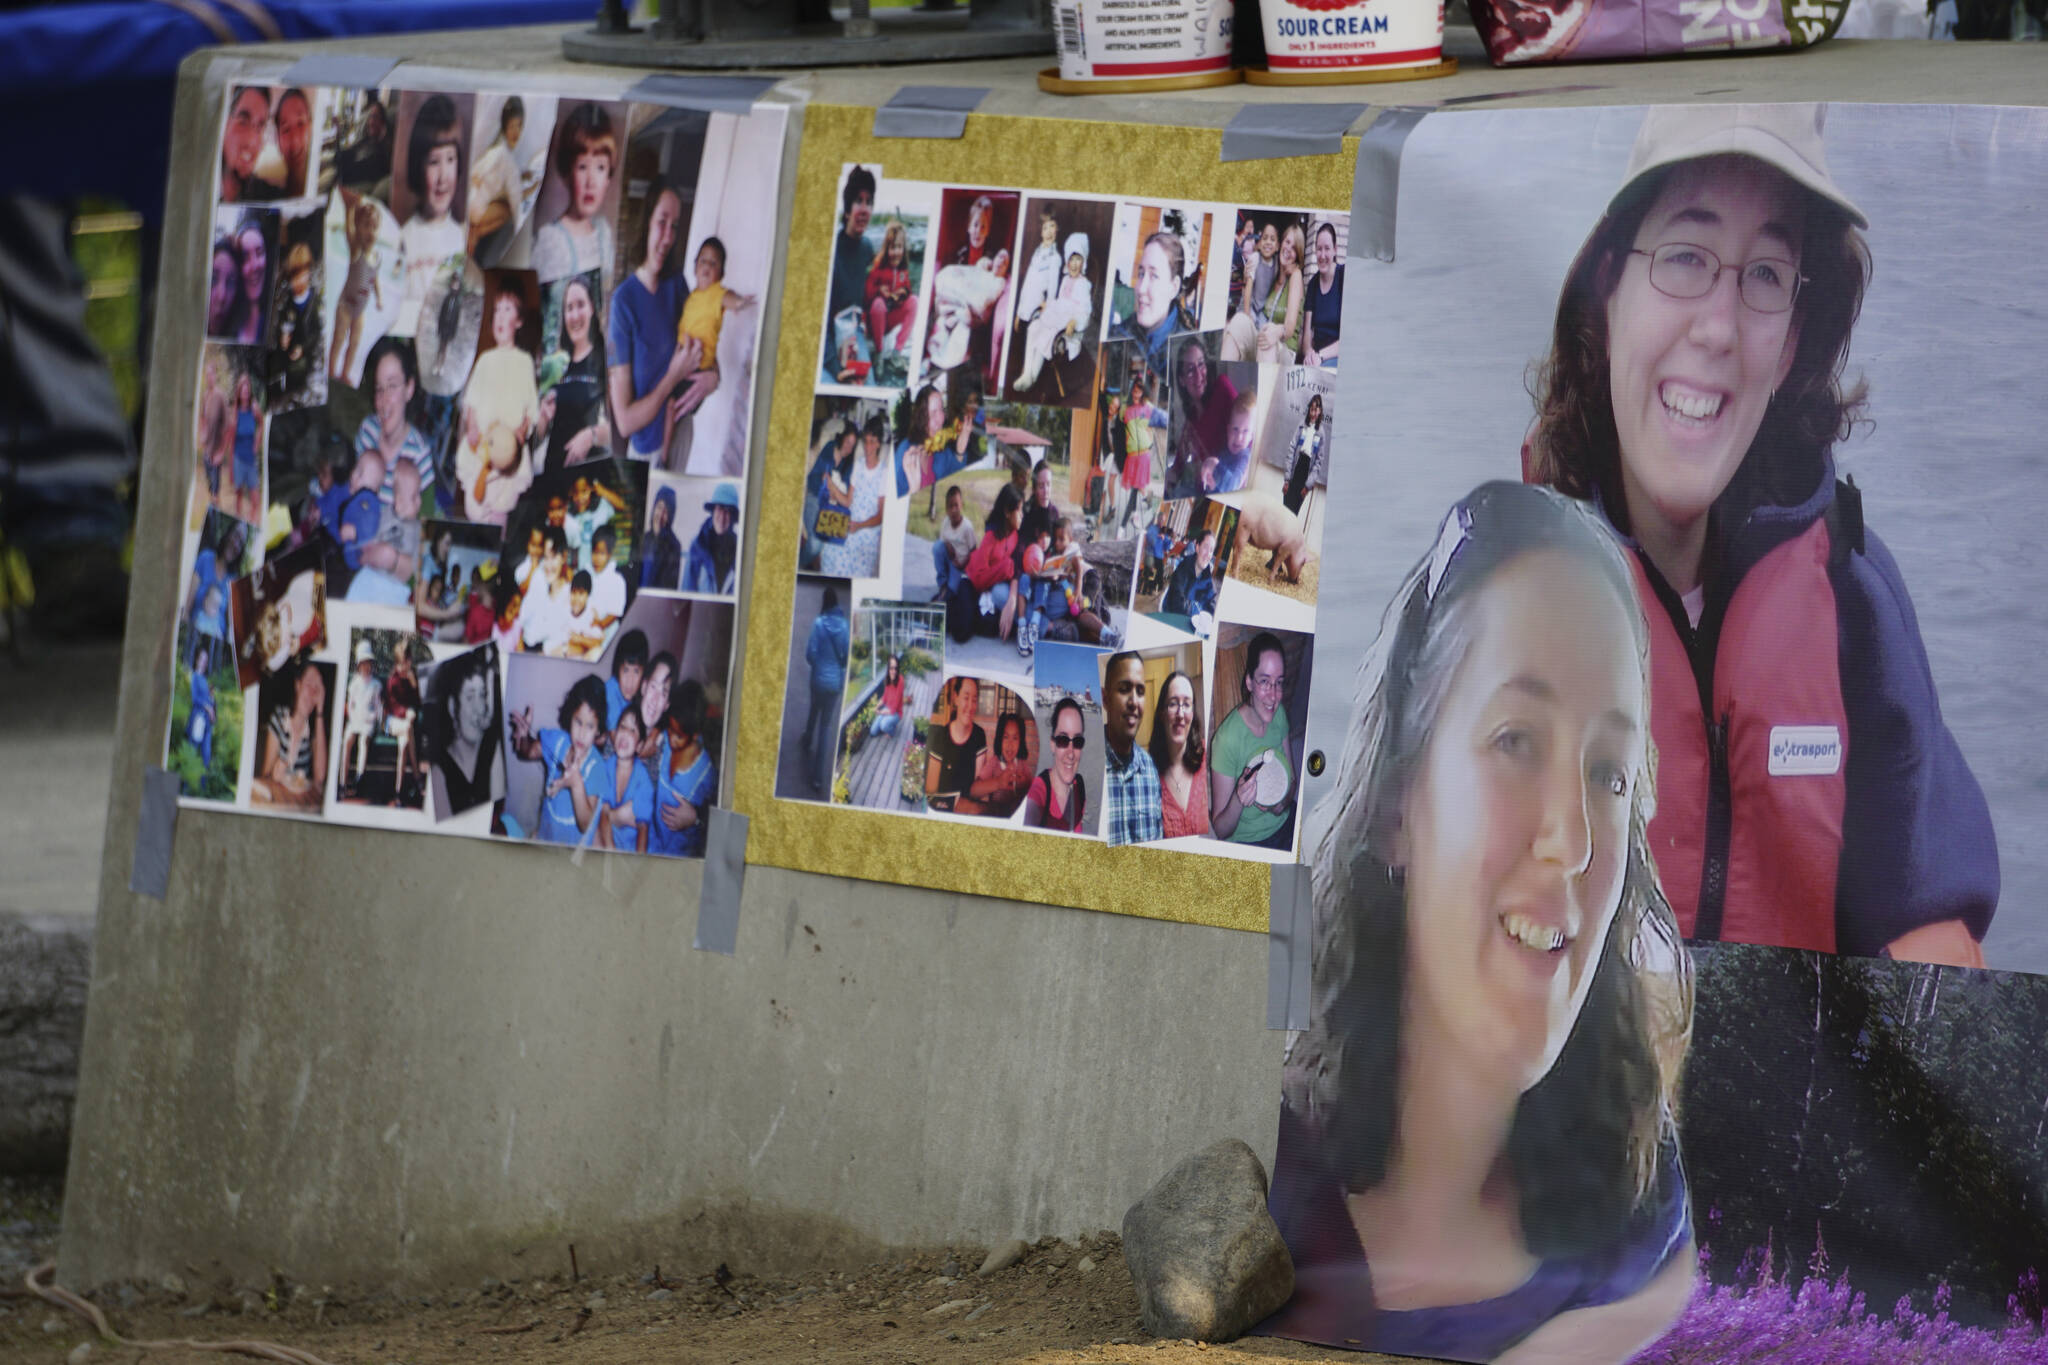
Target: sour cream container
(1141, 44)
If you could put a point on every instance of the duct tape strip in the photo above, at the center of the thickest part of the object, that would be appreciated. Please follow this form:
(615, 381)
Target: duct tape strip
(1288, 947)
(1376, 184)
(356, 70)
(149, 874)
(1262, 132)
(929, 111)
(725, 876)
(713, 94)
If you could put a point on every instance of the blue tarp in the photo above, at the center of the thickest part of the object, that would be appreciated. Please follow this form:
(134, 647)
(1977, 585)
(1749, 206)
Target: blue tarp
(86, 89)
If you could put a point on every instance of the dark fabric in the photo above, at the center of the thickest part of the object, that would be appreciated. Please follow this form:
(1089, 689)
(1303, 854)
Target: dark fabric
(1333, 1303)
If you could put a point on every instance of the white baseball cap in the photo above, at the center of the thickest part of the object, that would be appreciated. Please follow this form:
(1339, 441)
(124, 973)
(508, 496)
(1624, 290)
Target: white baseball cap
(1786, 137)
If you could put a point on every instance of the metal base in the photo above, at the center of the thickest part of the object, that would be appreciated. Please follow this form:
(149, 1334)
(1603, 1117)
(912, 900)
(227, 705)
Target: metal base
(901, 36)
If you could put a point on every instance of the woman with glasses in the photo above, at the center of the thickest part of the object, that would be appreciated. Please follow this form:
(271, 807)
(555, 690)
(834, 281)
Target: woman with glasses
(1250, 740)
(1058, 798)
(1811, 795)
(1176, 750)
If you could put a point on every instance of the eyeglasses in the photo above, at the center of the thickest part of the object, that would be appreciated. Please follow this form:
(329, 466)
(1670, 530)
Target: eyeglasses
(1685, 270)
(1259, 684)
(1074, 742)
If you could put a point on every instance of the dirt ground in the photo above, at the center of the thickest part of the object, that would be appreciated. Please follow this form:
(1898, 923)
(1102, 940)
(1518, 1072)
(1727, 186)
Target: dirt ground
(1062, 1304)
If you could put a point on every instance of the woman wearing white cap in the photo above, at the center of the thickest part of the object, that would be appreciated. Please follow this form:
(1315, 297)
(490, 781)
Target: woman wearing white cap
(1811, 795)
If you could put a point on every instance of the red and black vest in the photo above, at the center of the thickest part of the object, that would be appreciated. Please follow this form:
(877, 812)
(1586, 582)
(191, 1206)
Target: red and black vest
(1752, 750)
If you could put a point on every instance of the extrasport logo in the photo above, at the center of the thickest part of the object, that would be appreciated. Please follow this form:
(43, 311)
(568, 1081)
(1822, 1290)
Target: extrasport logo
(1805, 751)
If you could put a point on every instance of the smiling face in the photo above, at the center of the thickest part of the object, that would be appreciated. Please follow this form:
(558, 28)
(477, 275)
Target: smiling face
(243, 141)
(505, 320)
(626, 735)
(310, 692)
(859, 212)
(721, 519)
(583, 731)
(1155, 286)
(654, 694)
(576, 312)
(393, 391)
(590, 178)
(966, 699)
(1692, 378)
(1066, 758)
(1177, 705)
(473, 708)
(294, 131)
(1515, 827)
(443, 162)
(1269, 242)
(1192, 368)
(710, 266)
(662, 221)
(255, 263)
(1123, 711)
(222, 289)
(1265, 685)
(1326, 250)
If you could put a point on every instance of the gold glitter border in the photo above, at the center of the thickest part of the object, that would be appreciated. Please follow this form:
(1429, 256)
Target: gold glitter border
(1034, 154)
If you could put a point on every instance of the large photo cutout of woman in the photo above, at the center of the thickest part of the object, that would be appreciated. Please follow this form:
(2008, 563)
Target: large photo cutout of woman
(1478, 1157)
(1832, 677)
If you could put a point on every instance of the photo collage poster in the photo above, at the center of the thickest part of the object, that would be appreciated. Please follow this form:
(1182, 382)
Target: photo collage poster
(470, 457)
(1063, 510)
(1678, 882)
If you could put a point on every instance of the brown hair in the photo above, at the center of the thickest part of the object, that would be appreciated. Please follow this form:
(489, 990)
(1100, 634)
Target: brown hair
(1574, 447)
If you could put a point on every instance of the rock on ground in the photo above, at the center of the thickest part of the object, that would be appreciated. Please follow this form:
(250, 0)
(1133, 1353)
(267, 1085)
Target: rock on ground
(44, 970)
(1205, 1256)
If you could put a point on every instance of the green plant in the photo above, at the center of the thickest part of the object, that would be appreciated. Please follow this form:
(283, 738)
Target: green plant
(918, 661)
(913, 771)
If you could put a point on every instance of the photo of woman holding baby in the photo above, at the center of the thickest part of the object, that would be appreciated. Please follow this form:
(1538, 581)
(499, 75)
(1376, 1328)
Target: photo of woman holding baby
(648, 363)
(501, 409)
(1478, 1157)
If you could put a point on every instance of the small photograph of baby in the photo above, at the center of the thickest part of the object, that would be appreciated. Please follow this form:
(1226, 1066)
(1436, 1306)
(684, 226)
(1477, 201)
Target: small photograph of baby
(381, 763)
(1057, 313)
(228, 437)
(1158, 275)
(981, 744)
(567, 555)
(297, 361)
(364, 280)
(280, 613)
(294, 716)
(355, 143)
(501, 426)
(847, 486)
(454, 594)
(709, 563)
(579, 199)
(204, 747)
(966, 307)
(504, 179)
(462, 732)
(1183, 563)
(1201, 468)
(871, 322)
(429, 191)
(242, 276)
